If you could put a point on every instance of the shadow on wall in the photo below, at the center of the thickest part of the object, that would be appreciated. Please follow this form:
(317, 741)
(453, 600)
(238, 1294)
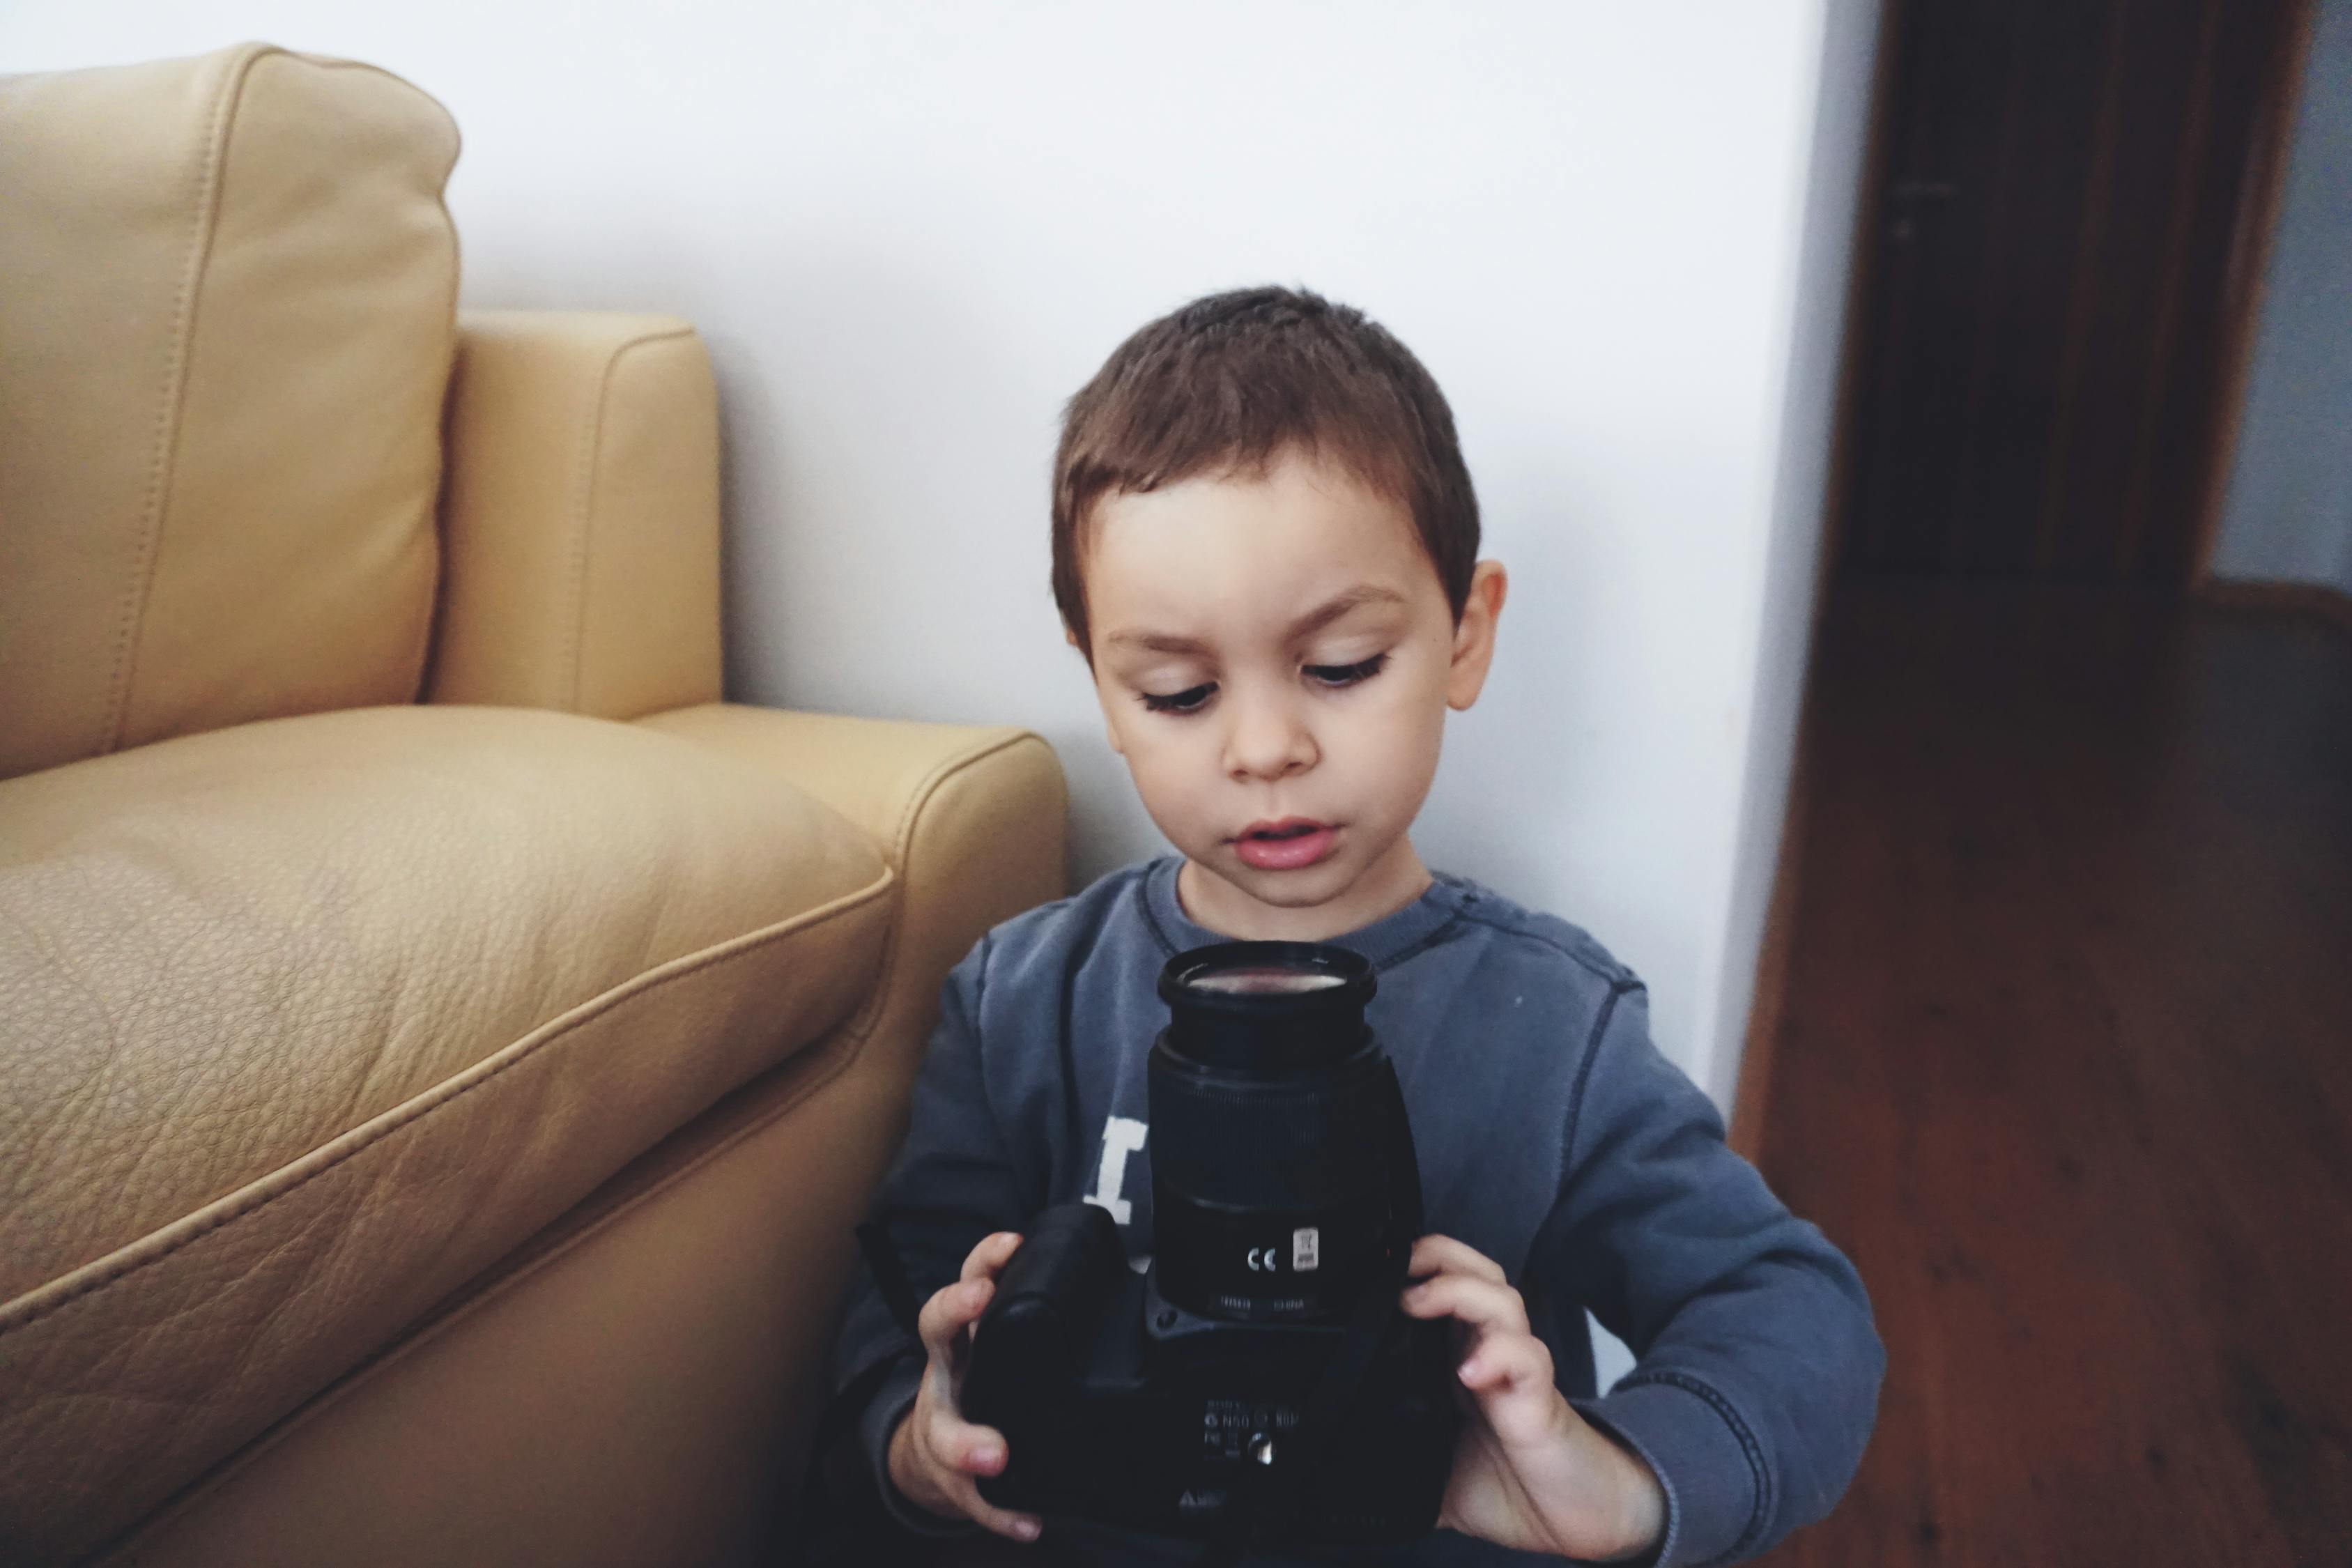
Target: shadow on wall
(794, 452)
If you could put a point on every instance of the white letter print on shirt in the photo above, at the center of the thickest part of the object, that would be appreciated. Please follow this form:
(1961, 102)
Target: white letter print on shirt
(1122, 1136)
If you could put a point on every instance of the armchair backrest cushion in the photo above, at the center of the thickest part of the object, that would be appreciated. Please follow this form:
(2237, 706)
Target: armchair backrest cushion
(228, 303)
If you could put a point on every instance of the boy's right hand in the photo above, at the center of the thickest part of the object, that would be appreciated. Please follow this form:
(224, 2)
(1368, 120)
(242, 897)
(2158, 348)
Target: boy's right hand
(936, 1454)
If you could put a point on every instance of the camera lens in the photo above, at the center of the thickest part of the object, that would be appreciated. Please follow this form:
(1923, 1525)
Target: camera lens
(1267, 1007)
(1274, 1143)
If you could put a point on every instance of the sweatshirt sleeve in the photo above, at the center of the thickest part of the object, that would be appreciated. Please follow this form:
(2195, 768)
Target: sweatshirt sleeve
(953, 1184)
(1756, 1379)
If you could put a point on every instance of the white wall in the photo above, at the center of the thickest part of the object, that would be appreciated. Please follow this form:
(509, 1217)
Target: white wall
(909, 231)
(2288, 516)
(1792, 549)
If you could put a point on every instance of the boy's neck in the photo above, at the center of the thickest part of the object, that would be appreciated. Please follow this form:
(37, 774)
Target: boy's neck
(1396, 880)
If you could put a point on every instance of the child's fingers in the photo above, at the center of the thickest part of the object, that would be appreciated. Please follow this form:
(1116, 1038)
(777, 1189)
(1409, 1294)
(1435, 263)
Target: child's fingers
(1500, 1362)
(1511, 1377)
(992, 1253)
(957, 1307)
(1482, 1303)
(960, 1452)
(944, 1316)
(1443, 1255)
(959, 1446)
(1003, 1522)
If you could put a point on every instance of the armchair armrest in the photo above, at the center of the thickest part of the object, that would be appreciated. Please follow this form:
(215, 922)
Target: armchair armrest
(579, 516)
(972, 820)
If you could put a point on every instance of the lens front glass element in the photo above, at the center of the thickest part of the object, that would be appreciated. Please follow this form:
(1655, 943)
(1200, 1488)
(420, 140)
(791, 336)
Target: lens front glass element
(1267, 1007)
(1262, 980)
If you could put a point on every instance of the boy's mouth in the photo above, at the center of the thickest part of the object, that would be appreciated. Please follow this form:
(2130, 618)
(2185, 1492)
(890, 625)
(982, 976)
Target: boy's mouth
(1284, 845)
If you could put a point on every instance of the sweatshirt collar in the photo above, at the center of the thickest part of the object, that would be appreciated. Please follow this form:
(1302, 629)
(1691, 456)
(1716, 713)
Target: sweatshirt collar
(1387, 940)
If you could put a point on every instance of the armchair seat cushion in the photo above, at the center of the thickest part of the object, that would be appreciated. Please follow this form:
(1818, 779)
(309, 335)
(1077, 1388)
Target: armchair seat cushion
(308, 1021)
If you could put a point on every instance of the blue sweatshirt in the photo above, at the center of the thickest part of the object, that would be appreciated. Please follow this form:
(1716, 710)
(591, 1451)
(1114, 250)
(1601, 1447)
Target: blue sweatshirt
(1552, 1135)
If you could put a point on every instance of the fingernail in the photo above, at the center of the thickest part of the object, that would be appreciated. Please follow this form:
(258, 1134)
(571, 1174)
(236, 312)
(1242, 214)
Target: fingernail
(988, 1455)
(1026, 1529)
(1472, 1371)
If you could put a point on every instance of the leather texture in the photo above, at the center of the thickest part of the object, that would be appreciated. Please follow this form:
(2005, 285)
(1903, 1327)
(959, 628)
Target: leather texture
(635, 1385)
(581, 523)
(280, 1106)
(228, 290)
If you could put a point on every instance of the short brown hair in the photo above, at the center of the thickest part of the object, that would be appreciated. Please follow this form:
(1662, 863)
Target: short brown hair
(1232, 381)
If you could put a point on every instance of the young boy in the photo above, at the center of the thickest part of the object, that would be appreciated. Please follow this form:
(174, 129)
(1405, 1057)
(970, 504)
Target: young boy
(1265, 546)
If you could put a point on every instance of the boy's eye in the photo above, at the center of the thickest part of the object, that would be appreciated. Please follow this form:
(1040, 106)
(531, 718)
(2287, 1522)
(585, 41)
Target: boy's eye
(1183, 701)
(1346, 674)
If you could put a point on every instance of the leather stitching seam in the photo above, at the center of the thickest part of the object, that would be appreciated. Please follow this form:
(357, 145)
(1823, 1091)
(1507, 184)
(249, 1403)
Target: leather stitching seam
(260, 1193)
(902, 840)
(202, 226)
(584, 487)
(421, 647)
(583, 500)
(442, 1318)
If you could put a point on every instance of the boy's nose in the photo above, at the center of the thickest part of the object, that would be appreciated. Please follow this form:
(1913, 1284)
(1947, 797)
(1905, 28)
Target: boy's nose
(1269, 740)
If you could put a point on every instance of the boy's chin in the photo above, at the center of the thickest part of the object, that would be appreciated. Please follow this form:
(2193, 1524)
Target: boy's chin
(1306, 888)
(1283, 889)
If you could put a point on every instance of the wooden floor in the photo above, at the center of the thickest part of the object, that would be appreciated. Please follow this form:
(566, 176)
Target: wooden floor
(2066, 1065)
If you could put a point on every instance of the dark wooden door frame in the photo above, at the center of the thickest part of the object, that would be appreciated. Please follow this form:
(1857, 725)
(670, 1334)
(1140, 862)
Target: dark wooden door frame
(2254, 227)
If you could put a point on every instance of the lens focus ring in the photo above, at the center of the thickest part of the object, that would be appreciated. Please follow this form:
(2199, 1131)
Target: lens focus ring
(1286, 1145)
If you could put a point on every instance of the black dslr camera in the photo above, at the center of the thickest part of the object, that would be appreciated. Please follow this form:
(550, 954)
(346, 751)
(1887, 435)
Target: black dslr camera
(1260, 1382)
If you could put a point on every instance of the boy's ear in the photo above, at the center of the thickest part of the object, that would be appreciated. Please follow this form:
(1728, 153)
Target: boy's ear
(1473, 633)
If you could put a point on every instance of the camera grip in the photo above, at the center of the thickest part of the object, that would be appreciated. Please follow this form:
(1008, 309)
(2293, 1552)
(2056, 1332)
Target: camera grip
(1049, 1296)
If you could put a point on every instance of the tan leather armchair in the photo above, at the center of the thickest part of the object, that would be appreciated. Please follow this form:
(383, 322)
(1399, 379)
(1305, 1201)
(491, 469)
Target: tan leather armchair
(443, 1048)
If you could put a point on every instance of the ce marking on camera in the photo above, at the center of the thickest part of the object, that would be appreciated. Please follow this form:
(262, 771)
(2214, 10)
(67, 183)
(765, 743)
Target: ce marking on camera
(1306, 1253)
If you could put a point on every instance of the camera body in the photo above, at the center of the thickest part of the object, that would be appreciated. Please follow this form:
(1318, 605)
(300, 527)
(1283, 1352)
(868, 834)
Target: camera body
(1259, 1380)
(1118, 1406)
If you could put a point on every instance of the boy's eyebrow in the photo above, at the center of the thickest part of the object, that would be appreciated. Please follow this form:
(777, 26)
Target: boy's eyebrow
(1307, 625)
(1355, 598)
(1157, 642)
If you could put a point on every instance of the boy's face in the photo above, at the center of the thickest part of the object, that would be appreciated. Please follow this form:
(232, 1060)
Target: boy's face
(1274, 657)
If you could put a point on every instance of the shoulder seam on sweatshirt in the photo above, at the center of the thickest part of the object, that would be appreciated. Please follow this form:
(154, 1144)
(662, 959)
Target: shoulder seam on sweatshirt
(1584, 1073)
(1618, 978)
(1414, 950)
(1761, 1512)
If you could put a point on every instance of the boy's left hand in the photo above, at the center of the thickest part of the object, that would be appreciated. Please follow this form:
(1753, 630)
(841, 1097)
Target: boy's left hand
(1528, 1472)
